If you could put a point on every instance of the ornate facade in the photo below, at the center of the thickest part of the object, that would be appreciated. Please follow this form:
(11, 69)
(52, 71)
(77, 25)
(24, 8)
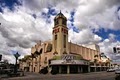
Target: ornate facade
(62, 56)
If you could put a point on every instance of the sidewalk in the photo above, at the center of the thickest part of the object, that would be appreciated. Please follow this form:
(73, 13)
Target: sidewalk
(4, 75)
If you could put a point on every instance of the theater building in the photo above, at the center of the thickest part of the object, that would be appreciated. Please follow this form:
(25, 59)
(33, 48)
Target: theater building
(63, 56)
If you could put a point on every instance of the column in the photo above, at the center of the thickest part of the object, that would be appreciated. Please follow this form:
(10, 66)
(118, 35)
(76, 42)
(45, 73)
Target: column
(78, 69)
(59, 69)
(32, 63)
(49, 70)
(81, 69)
(68, 69)
(39, 63)
(100, 68)
(95, 67)
(88, 68)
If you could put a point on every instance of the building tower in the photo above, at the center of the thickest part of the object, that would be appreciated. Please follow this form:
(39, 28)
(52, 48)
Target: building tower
(60, 35)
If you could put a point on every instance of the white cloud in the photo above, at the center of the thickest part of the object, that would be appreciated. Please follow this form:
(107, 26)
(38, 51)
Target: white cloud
(20, 30)
(85, 36)
(107, 46)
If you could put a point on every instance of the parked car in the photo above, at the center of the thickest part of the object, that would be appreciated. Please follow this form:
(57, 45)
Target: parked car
(5, 71)
(111, 70)
(19, 73)
(117, 71)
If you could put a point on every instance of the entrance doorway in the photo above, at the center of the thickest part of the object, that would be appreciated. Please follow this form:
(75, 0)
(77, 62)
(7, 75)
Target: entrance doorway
(73, 69)
(85, 68)
(64, 69)
(55, 69)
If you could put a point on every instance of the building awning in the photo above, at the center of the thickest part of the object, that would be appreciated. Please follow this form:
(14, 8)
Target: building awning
(69, 62)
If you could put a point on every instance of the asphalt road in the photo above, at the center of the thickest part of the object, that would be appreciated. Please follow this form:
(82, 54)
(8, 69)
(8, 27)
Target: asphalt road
(84, 76)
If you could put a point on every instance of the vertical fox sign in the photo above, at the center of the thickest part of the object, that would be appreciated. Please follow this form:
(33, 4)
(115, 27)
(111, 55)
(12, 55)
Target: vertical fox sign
(116, 49)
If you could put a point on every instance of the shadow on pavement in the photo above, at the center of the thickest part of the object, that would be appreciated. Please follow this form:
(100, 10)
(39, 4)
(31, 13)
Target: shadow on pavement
(5, 77)
(117, 77)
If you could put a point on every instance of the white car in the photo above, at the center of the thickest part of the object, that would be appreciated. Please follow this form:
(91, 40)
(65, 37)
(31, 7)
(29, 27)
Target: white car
(111, 70)
(117, 71)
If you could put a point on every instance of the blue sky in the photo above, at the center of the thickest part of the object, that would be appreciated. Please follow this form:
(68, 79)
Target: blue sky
(9, 3)
(24, 23)
(105, 33)
(102, 32)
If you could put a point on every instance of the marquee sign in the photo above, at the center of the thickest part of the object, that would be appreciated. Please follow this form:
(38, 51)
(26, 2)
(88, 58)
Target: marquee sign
(56, 30)
(64, 30)
(69, 59)
(72, 62)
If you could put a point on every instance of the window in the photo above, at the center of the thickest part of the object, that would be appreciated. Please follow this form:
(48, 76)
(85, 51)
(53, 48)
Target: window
(49, 48)
(45, 61)
(41, 50)
(55, 37)
(64, 21)
(45, 58)
(64, 41)
(56, 22)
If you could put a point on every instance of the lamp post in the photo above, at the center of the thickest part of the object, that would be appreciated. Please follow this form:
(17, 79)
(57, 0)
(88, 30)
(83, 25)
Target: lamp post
(0, 57)
(16, 57)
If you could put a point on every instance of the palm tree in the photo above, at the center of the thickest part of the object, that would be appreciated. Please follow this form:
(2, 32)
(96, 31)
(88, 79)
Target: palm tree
(103, 55)
(108, 62)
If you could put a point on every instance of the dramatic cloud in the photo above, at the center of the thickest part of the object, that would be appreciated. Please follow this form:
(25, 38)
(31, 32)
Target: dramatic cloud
(20, 30)
(95, 14)
(107, 47)
(85, 36)
(28, 21)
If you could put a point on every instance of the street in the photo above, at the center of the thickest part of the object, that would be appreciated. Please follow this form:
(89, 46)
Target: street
(83, 76)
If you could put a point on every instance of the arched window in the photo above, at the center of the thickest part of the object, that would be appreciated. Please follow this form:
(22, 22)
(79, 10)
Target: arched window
(49, 48)
(55, 37)
(64, 22)
(41, 51)
(45, 61)
(56, 22)
(64, 41)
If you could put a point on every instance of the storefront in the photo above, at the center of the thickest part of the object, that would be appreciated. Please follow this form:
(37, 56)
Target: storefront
(70, 64)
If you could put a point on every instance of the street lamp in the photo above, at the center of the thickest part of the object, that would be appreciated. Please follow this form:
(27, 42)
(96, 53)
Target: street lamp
(0, 57)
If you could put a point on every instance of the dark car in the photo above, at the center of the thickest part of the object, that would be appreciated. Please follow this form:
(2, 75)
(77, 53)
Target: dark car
(18, 73)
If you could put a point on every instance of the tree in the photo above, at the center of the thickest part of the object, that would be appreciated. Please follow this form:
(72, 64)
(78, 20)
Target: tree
(103, 55)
